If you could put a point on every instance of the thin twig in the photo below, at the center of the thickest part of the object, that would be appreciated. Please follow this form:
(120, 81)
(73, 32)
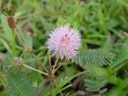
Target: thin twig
(21, 56)
(57, 68)
(35, 69)
(54, 70)
(39, 62)
(21, 34)
(13, 46)
(50, 74)
(46, 12)
(20, 39)
(17, 62)
(55, 64)
(30, 15)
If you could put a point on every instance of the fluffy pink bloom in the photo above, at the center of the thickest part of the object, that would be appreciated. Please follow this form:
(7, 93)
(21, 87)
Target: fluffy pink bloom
(64, 41)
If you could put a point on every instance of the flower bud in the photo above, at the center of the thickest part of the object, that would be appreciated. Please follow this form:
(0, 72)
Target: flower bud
(18, 61)
(11, 22)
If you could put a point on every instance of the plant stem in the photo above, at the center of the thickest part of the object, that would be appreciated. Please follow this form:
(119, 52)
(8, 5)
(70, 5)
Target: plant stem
(57, 68)
(39, 62)
(46, 12)
(31, 50)
(13, 46)
(30, 15)
(53, 71)
(50, 74)
(35, 69)
(17, 62)
(21, 55)
(20, 39)
(24, 42)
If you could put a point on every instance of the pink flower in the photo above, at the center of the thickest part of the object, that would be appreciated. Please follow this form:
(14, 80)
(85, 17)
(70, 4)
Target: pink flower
(64, 41)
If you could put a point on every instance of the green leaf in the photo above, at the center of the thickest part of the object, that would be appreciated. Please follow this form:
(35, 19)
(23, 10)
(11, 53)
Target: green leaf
(100, 71)
(93, 57)
(18, 85)
(6, 45)
(121, 58)
(62, 83)
(7, 31)
(90, 81)
(96, 82)
(92, 89)
(103, 90)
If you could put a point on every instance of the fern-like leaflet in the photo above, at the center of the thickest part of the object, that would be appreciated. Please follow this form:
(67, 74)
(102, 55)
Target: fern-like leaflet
(95, 84)
(18, 85)
(94, 58)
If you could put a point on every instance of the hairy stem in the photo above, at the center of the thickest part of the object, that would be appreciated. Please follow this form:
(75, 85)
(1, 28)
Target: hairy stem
(20, 39)
(29, 67)
(21, 34)
(39, 62)
(53, 71)
(27, 47)
(46, 12)
(50, 75)
(13, 47)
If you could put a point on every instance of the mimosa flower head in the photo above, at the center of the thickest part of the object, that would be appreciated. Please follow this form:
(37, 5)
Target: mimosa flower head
(64, 41)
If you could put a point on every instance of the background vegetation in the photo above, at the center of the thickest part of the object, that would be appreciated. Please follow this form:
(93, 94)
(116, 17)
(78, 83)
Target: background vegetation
(101, 67)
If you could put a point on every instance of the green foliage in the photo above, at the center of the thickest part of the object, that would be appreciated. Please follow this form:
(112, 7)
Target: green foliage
(102, 24)
(93, 57)
(95, 83)
(96, 79)
(62, 84)
(18, 85)
(122, 56)
(7, 31)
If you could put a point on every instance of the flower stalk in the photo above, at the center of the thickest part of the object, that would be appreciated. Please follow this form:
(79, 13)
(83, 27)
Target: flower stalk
(50, 74)
(35, 69)
(53, 71)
